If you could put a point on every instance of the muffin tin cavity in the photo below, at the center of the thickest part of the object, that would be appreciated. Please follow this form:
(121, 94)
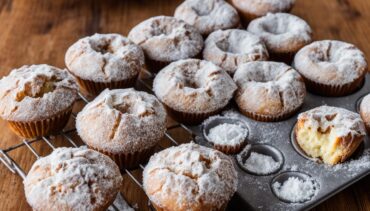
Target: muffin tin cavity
(294, 187)
(260, 159)
(219, 120)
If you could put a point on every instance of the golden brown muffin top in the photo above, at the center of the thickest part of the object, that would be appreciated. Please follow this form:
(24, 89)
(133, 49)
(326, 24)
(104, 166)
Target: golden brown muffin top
(72, 179)
(36, 92)
(190, 177)
(167, 39)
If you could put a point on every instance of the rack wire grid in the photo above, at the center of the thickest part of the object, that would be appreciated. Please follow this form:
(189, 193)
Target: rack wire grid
(15, 168)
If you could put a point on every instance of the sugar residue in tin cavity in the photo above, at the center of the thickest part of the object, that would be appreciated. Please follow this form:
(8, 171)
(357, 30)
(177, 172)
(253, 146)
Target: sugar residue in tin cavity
(227, 134)
(260, 163)
(295, 190)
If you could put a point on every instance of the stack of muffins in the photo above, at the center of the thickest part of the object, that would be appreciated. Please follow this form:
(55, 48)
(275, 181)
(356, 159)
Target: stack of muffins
(202, 58)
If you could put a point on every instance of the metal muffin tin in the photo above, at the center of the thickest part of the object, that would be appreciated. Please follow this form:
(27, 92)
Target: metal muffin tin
(255, 192)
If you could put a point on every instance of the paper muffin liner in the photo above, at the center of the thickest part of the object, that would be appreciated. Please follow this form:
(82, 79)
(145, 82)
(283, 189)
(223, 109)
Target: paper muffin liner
(246, 17)
(129, 160)
(268, 118)
(43, 127)
(158, 208)
(228, 149)
(190, 118)
(333, 90)
(95, 88)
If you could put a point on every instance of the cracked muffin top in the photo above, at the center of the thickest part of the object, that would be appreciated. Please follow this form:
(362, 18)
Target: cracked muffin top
(282, 32)
(194, 86)
(104, 58)
(269, 88)
(167, 39)
(122, 121)
(331, 62)
(208, 15)
(190, 177)
(36, 92)
(233, 47)
(72, 179)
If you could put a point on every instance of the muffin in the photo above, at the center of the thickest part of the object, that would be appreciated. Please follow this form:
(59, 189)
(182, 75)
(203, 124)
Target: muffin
(190, 177)
(208, 15)
(251, 9)
(166, 39)
(37, 100)
(284, 34)
(365, 111)
(72, 179)
(329, 133)
(231, 48)
(331, 68)
(268, 91)
(104, 61)
(124, 124)
(193, 89)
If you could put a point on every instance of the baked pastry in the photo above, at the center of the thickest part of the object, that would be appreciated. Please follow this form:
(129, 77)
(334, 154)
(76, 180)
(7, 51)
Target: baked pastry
(284, 34)
(37, 100)
(124, 124)
(190, 177)
(331, 68)
(193, 89)
(72, 179)
(208, 15)
(329, 133)
(166, 39)
(268, 91)
(365, 111)
(104, 61)
(231, 48)
(251, 9)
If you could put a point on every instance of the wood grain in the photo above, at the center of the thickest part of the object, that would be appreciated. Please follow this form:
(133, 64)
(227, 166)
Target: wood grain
(40, 31)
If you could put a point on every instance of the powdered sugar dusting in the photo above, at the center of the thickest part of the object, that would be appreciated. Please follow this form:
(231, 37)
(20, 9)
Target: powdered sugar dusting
(295, 189)
(262, 7)
(343, 121)
(36, 92)
(72, 178)
(260, 163)
(365, 111)
(123, 121)
(194, 86)
(104, 58)
(231, 48)
(275, 88)
(227, 134)
(282, 32)
(208, 15)
(167, 39)
(331, 62)
(190, 176)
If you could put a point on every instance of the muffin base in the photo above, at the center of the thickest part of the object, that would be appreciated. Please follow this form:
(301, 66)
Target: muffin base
(130, 160)
(155, 66)
(230, 149)
(268, 118)
(43, 127)
(95, 88)
(190, 118)
(334, 90)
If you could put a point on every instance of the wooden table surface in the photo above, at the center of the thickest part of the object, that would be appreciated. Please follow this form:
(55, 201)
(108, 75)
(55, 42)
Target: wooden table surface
(40, 31)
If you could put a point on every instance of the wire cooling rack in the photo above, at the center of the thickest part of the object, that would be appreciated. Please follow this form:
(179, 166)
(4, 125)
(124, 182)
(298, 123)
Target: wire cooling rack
(16, 168)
